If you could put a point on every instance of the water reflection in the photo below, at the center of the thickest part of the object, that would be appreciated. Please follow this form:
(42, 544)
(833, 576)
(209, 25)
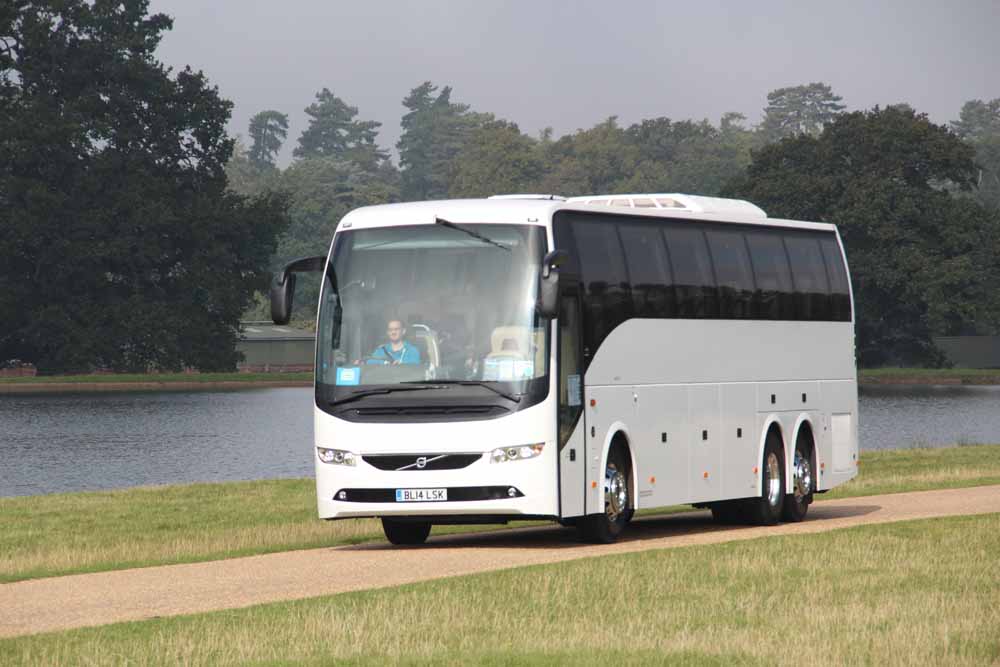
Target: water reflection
(55, 443)
(894, 417)
(75, 442)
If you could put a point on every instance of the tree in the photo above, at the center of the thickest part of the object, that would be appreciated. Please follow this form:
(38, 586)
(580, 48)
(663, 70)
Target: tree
(689, 156)
(594, 161)
(922, 261)
(496, 159)
(121, 246)
(268, 130)
(799, 110)
(434, 131)
(979, 124)
(333, 132)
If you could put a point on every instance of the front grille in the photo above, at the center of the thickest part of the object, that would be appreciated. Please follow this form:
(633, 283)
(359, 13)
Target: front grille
(412, 461)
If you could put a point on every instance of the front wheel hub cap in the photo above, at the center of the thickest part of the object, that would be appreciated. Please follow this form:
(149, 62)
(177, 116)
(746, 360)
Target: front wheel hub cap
(615, 493)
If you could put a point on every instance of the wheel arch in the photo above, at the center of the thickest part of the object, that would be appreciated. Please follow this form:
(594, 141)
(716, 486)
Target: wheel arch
(771, 423)
(803, 428)
(618, 432)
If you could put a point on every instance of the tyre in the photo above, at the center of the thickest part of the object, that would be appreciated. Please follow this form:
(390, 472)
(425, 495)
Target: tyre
(797, 502)
(605, 528)
(405, 532)
(766, 509)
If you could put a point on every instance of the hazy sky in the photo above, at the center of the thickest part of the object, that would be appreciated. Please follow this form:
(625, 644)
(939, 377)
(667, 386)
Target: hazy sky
(569, 65)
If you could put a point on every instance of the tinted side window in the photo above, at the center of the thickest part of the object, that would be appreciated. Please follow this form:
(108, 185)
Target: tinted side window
(694, 283)
(606, 301)
(840, 291)
(733, 273)
(648, 270)
(812, 291)
(774, 298)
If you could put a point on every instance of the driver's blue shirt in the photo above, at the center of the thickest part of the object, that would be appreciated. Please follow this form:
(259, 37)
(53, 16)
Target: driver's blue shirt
(408, 354)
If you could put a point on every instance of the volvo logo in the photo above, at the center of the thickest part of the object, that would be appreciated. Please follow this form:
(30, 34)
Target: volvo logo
(422, 462)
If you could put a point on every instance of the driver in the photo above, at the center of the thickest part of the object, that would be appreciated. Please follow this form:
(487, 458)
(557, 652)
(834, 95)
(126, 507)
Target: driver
(397, 350)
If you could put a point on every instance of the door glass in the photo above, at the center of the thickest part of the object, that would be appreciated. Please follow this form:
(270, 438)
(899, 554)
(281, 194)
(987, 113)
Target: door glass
(570, 377)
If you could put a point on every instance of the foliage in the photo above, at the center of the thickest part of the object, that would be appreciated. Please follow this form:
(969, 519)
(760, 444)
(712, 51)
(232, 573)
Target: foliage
(334, 133)
(497, 159)
(435, 129)
(923, 262)
(799, 110)
(268, 130)
(979, 124)
(121, 246)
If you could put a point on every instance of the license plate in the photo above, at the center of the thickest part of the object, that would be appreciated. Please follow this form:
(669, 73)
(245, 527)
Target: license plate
(420, 495)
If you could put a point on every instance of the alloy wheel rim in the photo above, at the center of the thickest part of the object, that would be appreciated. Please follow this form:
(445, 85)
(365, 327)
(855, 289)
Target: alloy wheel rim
(615, 493)
(773, 480)
(802, 476)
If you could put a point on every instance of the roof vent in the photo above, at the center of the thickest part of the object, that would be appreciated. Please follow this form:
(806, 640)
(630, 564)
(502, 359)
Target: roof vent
(676, 202)
(530, 196)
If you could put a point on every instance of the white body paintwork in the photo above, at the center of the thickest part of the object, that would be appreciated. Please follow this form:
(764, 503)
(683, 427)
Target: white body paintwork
(648, 378)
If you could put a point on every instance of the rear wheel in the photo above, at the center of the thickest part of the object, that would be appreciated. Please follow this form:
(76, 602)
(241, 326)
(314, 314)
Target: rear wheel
(766, 509)
(797, 502)
(406, 532)
(606, 527)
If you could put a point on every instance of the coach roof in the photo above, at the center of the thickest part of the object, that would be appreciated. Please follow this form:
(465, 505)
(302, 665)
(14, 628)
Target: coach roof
(535, 209)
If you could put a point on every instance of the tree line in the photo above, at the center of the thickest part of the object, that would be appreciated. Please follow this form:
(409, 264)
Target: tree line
(916, 203)
(136, 232)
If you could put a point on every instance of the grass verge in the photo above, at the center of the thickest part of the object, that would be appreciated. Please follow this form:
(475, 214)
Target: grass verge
(70, 533)
(919, 592)
(929, 376)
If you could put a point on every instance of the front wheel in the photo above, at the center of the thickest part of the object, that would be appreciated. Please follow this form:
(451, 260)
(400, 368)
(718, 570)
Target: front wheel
(606, 527)
(405, 532)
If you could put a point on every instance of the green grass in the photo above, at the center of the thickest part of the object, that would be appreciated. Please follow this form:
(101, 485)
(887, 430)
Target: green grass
(69, 533)
(159, 377)
(911, 593)
(929, 376)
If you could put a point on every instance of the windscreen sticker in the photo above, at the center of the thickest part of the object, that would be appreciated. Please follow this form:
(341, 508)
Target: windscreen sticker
(349, 376)
(574, 395)
(523, 369)
(501, 370)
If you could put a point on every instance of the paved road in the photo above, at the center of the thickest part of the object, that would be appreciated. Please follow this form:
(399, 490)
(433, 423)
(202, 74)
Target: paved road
(73, 601)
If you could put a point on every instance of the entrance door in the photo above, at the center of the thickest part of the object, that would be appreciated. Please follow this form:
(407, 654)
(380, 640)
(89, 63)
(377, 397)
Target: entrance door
(572, 430)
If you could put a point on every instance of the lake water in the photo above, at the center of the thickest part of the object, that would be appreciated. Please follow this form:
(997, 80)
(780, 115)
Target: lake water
(74, 442)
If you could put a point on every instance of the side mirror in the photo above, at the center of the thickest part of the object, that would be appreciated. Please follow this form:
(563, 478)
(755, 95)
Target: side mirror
(283, 292)
(281, 299)
(548, 286)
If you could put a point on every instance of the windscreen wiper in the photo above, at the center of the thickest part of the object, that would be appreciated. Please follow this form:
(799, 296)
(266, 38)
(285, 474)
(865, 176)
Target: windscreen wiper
(464, 230)
(382, 390)
(470, 383)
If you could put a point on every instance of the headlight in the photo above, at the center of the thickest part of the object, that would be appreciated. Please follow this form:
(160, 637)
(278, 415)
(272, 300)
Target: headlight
(504, 454)
(336, 456)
